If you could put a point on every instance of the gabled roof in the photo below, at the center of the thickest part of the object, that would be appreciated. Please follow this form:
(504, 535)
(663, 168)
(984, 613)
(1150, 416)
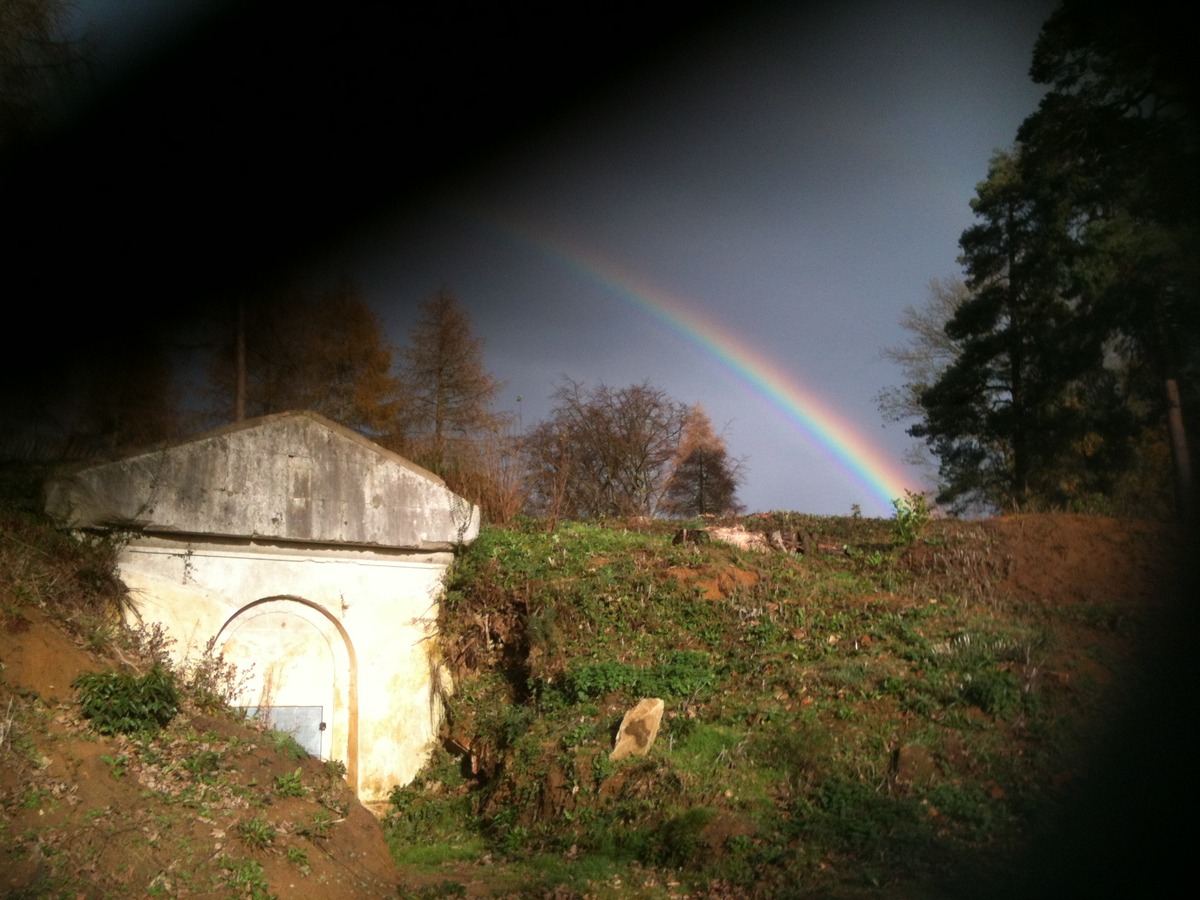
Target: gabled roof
(292, 476)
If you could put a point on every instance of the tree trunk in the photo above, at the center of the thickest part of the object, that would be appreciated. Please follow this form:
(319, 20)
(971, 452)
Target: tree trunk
(1179, 451)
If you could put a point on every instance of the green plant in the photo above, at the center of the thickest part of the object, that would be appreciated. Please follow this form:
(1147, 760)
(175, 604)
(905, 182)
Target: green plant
(317, 828)
(299, 857)
(213, 681)
(993, 690)
(578, 735)
(34, 798)
(594, 679)
(116, 764)
(912, 515)
(246, 878)
(290, 785)
(203, 764)
(256, 833)
(120, 703)
(680, 674)
(427, 817)
(287, 745)
(445, 888)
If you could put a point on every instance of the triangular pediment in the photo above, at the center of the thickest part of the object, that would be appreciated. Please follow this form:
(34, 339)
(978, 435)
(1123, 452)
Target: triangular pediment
(288, 477)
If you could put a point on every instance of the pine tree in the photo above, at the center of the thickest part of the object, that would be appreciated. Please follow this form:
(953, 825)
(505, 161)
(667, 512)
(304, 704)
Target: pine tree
(1118, 132)
(1026, 413)
(922, 360)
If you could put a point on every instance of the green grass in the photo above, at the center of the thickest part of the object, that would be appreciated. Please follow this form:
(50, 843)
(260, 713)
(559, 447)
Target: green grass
(786, 701)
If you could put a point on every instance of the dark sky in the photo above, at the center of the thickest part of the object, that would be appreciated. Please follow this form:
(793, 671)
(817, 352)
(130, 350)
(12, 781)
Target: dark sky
(734, 202)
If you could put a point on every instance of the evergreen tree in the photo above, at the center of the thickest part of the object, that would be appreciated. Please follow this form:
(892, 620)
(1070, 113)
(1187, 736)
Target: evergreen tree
(1118, 132)
(1082, 276)
(922, 360)
(983, 411)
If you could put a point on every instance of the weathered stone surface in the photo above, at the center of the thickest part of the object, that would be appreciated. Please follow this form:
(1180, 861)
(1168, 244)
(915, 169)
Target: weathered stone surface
(313, 560)
(290, 476)
(638, 730)
(741, 538)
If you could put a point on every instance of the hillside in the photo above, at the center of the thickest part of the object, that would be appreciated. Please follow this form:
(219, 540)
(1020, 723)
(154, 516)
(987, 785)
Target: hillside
(884, 712)
(208, 806)
(862, 712)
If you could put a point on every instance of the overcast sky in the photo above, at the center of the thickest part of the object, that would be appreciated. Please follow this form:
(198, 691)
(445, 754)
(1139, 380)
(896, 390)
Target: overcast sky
(741, 224)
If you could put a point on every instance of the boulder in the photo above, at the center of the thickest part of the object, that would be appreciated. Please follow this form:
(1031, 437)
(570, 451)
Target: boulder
(638, 729)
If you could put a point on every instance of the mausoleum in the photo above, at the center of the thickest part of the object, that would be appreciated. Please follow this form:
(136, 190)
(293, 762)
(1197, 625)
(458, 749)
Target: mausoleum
(312, 557)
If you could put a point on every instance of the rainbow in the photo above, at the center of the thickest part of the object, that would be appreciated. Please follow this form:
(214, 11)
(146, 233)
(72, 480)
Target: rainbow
(834, 437)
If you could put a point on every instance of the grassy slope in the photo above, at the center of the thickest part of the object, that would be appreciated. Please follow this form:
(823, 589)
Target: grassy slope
(871, 716)
(867, 718)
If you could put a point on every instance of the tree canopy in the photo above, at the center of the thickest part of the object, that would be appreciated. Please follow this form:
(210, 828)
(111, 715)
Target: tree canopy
(1081, 318)
(604, 451)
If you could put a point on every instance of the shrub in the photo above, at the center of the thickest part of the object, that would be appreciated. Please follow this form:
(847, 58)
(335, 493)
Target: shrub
(120, 703)
(912, 515)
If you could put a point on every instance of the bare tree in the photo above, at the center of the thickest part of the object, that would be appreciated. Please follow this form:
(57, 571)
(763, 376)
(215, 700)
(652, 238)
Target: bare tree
(923, 359)
(604, 451)
(38, 64)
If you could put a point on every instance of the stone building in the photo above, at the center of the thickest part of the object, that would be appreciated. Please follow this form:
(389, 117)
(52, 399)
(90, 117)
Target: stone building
(312, 557)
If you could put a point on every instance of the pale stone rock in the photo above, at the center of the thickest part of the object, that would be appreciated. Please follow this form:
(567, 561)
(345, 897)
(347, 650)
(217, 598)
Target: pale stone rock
(741, 538)
(638, 729)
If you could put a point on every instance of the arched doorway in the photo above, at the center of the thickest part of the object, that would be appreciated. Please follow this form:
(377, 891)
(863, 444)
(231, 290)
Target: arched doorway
(301, 673)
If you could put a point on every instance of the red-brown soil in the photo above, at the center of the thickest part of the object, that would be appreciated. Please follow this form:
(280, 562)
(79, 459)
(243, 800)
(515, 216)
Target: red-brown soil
(108, 817)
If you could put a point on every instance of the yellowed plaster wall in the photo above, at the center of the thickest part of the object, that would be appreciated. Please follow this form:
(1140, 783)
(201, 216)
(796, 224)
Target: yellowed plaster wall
(376, 612)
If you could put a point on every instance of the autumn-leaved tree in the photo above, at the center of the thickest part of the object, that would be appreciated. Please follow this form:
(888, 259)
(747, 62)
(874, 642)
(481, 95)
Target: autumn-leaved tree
(323, 351)
(448, 391)
(703, 479)
(604, 451)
